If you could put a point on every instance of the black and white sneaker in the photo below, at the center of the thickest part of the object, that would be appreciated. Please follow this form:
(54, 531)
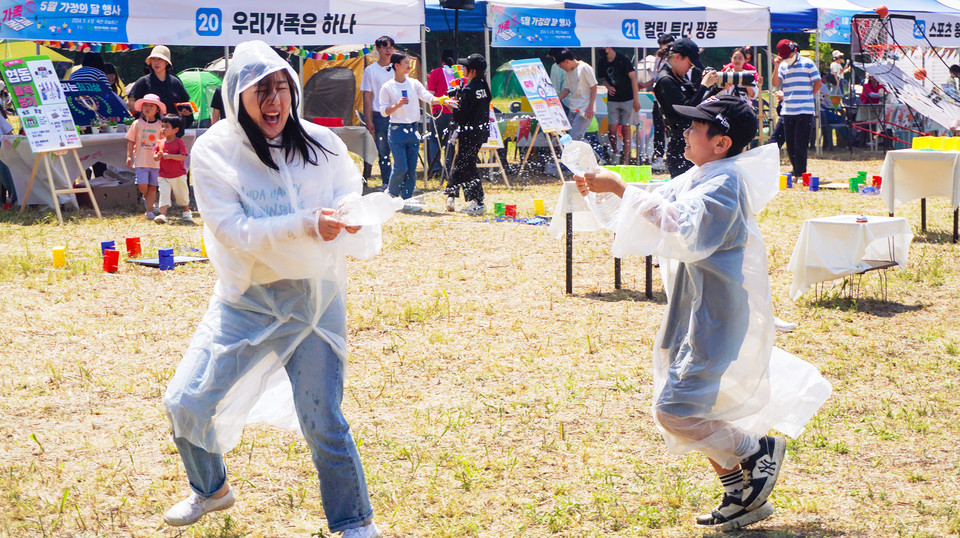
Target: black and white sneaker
(760, 471)
(731, 515)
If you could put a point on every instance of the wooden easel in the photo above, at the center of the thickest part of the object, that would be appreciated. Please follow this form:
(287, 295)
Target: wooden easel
(486, 161)
(53, 189)
(549, 145)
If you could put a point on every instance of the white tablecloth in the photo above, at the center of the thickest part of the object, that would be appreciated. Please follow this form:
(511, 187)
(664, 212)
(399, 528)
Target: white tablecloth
(834, 247)
(910, 174)
(109, 148)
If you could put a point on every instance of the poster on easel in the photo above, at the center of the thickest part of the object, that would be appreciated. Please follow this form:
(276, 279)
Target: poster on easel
(40, 103)
(495, 139)
(541, 94)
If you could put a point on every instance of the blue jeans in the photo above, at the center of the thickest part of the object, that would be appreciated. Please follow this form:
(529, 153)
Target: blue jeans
(381, 125)
(316, 375)
(405, 146)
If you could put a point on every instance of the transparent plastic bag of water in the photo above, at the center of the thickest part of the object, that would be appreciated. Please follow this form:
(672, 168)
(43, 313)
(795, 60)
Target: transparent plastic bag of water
(370, 210)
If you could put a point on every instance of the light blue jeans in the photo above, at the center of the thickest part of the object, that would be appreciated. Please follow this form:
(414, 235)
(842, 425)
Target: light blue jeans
(405, 146)
(316, 375)
(381, 126)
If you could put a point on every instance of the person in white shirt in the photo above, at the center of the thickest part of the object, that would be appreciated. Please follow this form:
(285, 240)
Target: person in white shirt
(398, 101)
(582, 89)
(839, 69)
(373, 78)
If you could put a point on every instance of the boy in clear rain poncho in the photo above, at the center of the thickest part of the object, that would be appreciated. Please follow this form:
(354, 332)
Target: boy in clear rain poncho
(719, 384)
(271, 347)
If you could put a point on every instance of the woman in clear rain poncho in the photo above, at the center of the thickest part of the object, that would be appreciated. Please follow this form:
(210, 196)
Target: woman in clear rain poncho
(271, 347)
(719, 384)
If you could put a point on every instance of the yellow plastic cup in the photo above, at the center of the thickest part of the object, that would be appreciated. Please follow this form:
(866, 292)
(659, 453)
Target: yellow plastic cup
(538, 208)
(920, 142)
(203, 248)
(783, 182)
(950, 144)
(59, 256)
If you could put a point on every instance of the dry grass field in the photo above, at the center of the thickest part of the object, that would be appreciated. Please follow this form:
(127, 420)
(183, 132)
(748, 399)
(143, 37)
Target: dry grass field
(484, 400)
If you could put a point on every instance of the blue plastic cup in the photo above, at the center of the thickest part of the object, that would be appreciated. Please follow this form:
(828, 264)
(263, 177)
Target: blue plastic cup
(104, 245)
(403, 93)
(814, 183)
(166, 259)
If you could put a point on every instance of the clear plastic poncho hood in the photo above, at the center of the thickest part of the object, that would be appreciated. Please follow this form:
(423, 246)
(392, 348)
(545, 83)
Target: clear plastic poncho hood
(276, 277)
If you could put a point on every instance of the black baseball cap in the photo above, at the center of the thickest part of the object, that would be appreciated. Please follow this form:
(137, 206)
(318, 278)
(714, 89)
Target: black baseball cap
(475, 61)
(686, 47)
(733, 115)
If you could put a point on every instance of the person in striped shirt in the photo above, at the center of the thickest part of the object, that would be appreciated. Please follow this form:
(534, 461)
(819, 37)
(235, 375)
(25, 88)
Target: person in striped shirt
(801, 81)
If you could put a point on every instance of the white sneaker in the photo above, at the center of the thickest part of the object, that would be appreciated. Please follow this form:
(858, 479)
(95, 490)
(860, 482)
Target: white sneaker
(160, 219)
(192, 508)
(367, 531)
(187, 215)
(474, 209)
(451, 203)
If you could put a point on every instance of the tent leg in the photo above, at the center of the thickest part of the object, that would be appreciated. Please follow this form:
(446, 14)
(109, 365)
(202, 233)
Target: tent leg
(816, 97)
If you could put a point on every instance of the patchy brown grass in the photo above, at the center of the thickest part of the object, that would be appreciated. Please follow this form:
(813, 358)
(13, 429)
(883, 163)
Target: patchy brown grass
(484, 400)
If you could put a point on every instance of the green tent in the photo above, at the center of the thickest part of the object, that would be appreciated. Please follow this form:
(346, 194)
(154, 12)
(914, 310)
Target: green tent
(505, 83)
(200, 85)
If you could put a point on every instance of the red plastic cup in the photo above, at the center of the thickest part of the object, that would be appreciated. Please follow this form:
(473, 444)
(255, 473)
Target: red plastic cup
(877, 181)
(111, 259)
(133, 247)
(510, 211)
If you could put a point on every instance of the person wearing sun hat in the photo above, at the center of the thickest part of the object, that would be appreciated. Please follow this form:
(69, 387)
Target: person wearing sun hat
(141, 139)
(163, 83)
(719, 383)
(801, 81)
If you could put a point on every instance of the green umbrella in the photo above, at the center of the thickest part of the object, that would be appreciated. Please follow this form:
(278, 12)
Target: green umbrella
(200, 85)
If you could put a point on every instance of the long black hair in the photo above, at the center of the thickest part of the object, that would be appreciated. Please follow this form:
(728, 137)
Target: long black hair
(293, 139)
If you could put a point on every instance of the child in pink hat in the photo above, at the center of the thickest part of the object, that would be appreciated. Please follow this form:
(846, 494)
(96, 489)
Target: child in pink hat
(141, 140)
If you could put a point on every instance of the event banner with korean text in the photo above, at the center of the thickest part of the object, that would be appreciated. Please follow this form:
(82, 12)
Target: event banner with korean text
(213, 22)
(525, 27)
(40, 103)
(538, 89)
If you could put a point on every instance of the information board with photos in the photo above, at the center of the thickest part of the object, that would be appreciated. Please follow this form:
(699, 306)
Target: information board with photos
(40, 103)
(538, 89)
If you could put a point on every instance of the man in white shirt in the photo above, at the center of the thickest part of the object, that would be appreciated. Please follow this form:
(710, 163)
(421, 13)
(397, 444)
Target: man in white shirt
(582, 88)
(373, 78)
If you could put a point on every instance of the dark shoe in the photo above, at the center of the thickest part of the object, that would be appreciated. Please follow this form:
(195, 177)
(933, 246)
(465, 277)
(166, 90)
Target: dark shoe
(760, 471)
(731, 515)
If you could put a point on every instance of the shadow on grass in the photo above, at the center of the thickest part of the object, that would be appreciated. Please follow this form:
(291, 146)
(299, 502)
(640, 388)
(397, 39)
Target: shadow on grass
(659, 297)
(934, 237)
(873, 306)
(798, 530)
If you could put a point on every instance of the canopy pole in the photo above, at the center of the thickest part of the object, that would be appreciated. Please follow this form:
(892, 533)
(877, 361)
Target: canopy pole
(816, 96)
(226, 57)
(486, 48)
(302, 84)
(426, 107)
(774, 116)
